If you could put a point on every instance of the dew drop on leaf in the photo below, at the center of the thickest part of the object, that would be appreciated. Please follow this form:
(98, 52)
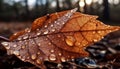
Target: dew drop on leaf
(38, 53)
(59, 54)
(38, 61)
(16, 52)
(52, 51)
(33, 56)
(25, 37)
(52, 57)
(63, 59)
(23, 47)
(14, 45)
(38, 33)
(5, 43)
(70, 40)
(46, 32)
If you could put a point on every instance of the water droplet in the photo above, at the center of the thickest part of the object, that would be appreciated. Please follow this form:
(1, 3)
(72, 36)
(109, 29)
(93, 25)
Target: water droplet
(16, 52)
(28, 57)
(22, 47)
(38, 33)
(46, 59)
(53, 30)
(14, 45)
(77, 43)
(19, 57)
(28, 30)
(37, 29)
(45, 26)
(60, 66)
(60, 54)
(63, 22)
(94, 32)
(49, 43)
(38, 53)
(99, 32)
(15, 34)
(95, 40)
(59, 36)
(19, 38)
(5, 43)
(52, 51)
(22, 59)
(33, 56)
(52, 57)
(51, 25)
(63, 59)
(55, 22)
(7, 47)
(38, 61)
(25, 37)
(39, 44)
(46, 32)
(70, 40)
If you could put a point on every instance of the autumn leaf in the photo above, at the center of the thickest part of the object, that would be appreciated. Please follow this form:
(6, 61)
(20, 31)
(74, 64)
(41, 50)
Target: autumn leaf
(57, 37)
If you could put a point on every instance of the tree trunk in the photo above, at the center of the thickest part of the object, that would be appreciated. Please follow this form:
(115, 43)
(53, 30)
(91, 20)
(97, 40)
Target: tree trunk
(69, 4)
(27, 8)
(106, 13)
(58, 6)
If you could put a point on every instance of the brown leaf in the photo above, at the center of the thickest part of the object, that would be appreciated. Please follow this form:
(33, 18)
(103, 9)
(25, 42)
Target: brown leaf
(57, 37)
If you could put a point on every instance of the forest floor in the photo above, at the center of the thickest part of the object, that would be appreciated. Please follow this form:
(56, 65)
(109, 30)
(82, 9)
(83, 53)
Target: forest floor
(103, 54)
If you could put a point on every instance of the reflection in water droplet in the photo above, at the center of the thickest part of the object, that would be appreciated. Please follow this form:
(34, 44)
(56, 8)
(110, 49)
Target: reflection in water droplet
(99, 32)
(51, 25)
(22, 47)
(15, 34)
(25, 37)
(52, 51)
(33, 56)
(77, 43)
(93, 32)
(70, 40)
(52, 57)
(5, 43)
(63, 22)
(22, 59)
(60, 66)
(45, 26)
(19, 38)
(38, 53)
(37, 29)
(16, 52)
(59, 36)
(38, 33)
(49, 43)
(95, 40)
(7, 47)
(60, 54)
(46, 32)
(63, 59)
(53, 30)
(39, 44)
(38, 61)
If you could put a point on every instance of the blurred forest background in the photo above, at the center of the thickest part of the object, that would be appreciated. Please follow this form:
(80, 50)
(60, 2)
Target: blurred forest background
(28, 10)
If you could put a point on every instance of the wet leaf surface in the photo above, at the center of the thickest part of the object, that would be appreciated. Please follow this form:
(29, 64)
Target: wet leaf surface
(54, 42)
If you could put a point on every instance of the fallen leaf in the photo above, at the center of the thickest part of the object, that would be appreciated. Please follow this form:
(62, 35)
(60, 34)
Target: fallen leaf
(58, 37)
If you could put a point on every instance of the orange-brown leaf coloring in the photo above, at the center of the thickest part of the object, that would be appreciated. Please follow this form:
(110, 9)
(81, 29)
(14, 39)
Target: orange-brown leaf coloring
(57, 37)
